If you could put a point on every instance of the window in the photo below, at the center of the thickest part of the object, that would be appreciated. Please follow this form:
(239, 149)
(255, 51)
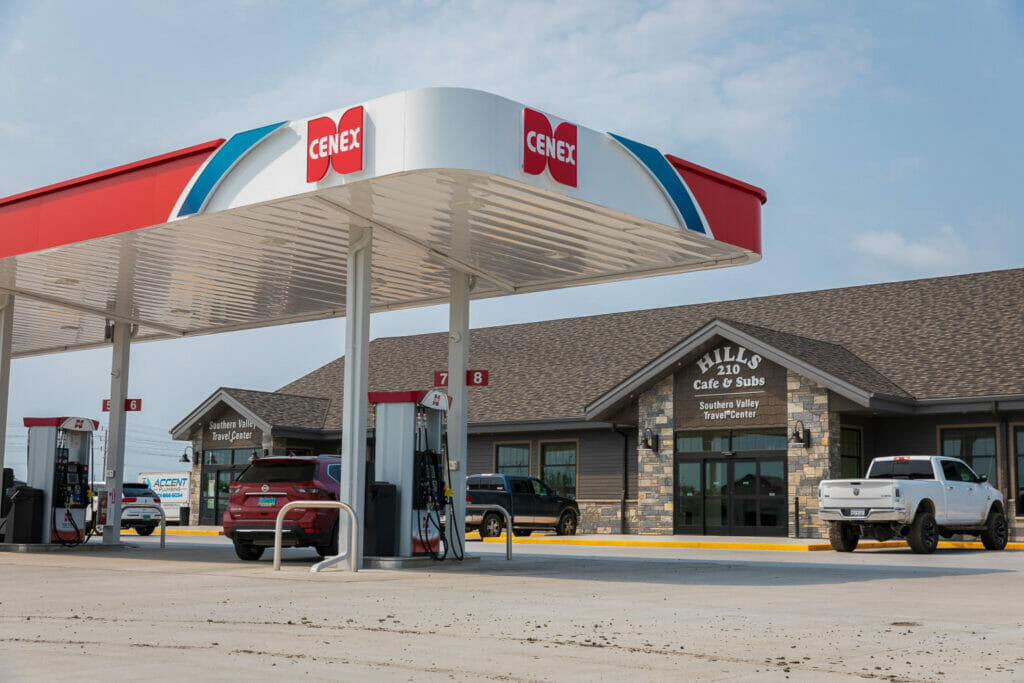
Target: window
(512, 458)
(849, 453)
(901, 469)
(558, 467)
(273, 472)
(974, 445)
(334, 472)
(218, 457)
(739, 440)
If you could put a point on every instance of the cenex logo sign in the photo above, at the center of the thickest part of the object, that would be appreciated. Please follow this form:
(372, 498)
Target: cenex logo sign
(339, 146)
(544, 149)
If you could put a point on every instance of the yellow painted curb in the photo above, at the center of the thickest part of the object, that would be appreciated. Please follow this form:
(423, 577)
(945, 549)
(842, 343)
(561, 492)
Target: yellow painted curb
(732, 545)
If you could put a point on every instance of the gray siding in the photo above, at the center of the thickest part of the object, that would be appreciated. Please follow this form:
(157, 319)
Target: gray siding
(598, 458)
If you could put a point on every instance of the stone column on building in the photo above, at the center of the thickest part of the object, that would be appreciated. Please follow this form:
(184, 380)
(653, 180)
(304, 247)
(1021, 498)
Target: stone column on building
(196, 486)
(809, 405)
(655, 503)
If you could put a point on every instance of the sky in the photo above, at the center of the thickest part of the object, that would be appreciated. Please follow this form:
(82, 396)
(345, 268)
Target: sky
(887, 136)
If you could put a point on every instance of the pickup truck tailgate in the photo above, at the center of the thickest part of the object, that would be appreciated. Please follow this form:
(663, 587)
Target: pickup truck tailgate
(857, 493)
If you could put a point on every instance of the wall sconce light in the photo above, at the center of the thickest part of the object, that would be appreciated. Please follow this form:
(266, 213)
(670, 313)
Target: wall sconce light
(800, 436)
(650, 439)
(184, 455)
(254, 455)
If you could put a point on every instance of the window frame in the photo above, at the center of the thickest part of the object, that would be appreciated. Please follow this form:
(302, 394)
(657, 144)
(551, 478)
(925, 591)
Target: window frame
(1016, 475)
(994, 426)
(529, 455)
(861, 467)
(576, 474)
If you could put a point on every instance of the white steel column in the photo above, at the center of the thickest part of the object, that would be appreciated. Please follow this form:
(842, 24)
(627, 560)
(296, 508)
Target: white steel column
(114, 474)
(458, 361)
(6, 327)
(357, 368)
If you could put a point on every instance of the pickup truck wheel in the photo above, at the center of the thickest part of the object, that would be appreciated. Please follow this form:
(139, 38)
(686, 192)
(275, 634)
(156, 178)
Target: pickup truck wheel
(144, 529)
(248, 551)
(843, 536)
(566, 524)
(924, 533)
(522, 532)
(491, 525)
(995, 535)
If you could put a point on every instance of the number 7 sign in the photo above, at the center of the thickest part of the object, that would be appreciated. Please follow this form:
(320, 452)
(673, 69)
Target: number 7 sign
(474, 378)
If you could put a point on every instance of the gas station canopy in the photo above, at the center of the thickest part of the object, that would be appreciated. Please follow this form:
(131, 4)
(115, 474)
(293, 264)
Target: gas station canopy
(254, 230)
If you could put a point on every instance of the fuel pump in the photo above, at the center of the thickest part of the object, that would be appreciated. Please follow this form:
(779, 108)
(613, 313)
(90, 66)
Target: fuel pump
(409, 451)
(59, 454)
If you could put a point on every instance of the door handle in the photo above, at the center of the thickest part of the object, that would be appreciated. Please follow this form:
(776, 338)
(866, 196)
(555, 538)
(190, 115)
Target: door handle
(950, 488)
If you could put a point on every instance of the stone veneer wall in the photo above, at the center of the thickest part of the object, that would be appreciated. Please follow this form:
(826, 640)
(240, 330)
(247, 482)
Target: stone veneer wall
(809, 403)
(195, 484)
(602, 517)
(654, 471)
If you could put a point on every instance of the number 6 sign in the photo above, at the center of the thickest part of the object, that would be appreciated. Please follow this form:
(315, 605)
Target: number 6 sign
(474, 378)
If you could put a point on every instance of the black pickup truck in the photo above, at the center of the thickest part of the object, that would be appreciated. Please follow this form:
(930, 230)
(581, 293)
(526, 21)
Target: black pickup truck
(531, 502)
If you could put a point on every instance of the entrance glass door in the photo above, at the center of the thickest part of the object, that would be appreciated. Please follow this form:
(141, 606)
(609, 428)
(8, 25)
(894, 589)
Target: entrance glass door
(689, 501)
(215, 494)
(742, 496)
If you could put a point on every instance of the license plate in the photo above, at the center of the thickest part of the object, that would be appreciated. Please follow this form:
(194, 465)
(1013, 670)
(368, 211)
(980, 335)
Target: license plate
(266, 501)
(858, 512)
(145, 516)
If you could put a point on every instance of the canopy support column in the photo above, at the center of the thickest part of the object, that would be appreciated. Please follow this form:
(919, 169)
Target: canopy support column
(114, 474)
(6, 328)
(357, 370)
(458, 362)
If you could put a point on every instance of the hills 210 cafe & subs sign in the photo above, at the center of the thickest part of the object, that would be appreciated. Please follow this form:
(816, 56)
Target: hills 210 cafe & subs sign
(730, 386)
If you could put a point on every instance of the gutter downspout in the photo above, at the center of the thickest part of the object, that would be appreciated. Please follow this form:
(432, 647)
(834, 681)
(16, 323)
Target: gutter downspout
(625, 476)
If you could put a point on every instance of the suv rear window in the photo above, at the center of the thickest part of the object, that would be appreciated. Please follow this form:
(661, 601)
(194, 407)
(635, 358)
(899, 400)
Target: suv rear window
(278, 472)
(130, 489)
(901, 469)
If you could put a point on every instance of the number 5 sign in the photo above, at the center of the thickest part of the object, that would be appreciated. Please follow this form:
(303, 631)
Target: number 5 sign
(474, 378)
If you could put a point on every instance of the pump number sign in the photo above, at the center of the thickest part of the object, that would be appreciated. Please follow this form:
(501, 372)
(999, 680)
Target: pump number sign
(474, 378)
(130, 404)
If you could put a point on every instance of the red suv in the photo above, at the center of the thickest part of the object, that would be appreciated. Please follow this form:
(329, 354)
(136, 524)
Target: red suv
(264, 487)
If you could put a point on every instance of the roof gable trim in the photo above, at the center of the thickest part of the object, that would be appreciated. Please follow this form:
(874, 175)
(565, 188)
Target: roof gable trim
(182, 430)
(671, 360)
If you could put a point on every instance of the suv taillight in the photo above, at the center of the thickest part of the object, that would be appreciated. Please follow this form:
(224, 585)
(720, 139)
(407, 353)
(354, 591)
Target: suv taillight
(311, 488)
(468, 499)
(129, 500)
(156, 499)
(234, 486)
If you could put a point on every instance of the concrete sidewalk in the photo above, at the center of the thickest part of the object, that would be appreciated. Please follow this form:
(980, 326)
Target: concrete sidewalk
(628, 541)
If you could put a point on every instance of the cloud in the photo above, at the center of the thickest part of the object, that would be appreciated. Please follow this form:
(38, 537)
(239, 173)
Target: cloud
(938, 252)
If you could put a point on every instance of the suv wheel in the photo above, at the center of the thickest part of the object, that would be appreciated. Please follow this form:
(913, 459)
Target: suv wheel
(248, 551)
(567, 524)
(145, 529)
(995, 535)
(332, 549)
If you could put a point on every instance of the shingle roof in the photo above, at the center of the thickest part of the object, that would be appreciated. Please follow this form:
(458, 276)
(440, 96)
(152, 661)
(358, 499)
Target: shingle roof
(833, 359)
(283, 409)
(934, 338)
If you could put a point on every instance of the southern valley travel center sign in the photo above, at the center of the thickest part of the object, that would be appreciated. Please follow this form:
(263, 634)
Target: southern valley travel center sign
(729, 386)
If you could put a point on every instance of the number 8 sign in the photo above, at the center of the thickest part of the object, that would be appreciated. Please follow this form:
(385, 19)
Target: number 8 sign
(474, 378)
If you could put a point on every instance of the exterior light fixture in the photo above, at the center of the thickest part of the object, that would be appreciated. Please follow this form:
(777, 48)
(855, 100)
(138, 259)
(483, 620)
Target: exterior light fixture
(650, 439)
(800, 436)
(184, 455)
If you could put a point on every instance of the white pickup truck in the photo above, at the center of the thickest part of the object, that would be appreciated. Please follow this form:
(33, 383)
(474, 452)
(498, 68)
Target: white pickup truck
(917, 497)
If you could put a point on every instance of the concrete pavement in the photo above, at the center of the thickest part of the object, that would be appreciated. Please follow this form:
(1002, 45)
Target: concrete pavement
(554, 612)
